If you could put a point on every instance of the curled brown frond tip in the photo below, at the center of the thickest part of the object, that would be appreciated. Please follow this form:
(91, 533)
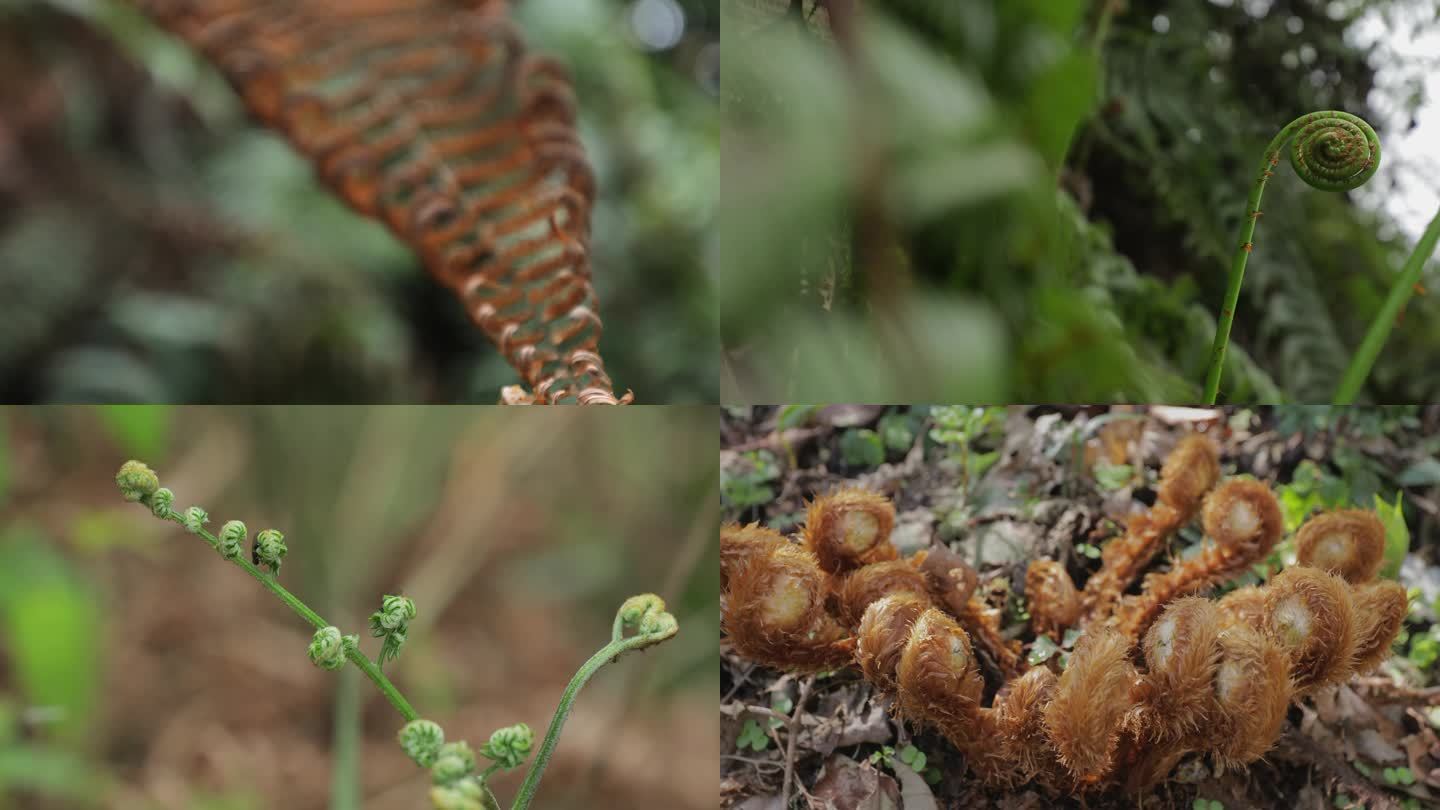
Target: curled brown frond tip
(1189, 472)
(432, 117)
(1243, 516)
(849, 528)
(1054, 602)
(1349, 542)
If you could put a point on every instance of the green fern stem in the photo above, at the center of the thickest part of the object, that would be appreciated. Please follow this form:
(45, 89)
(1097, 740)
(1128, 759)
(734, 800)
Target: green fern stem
(1379, 332)
(303, 610)
(646, 615)
(1330, 150)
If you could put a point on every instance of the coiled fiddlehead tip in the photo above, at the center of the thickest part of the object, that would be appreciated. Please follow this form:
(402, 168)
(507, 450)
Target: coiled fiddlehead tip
(1349, 542)
(270, 549)
(1380, 608)
(160, 502)
(645, 614)
(1310, 613)
(328, 648)
(774, 612)
(849, 528)
(232, 539)
(1244, 517)
(466, 794)
(864, 585)
(1190, 471)
(1251, 692)
(1054, 602)
(136, 481)
(453, 762)
(1333, 150)
(739, 544)
(884, 631)
(938, 677)
(195, 519)
(421, 741)
(392, 623)
(509, 746)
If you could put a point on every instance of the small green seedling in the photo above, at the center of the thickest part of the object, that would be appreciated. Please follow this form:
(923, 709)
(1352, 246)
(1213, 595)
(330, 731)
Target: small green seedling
(752, 736)
(458, 784)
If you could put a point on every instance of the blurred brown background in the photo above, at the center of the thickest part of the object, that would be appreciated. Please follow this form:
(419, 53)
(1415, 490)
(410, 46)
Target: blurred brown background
(137, 670)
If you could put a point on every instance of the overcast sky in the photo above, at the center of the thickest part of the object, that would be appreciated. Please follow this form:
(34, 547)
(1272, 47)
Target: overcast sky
(1405, 45)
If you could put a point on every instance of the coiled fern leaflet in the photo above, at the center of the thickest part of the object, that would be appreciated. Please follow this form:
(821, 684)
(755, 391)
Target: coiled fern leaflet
(1330, 150)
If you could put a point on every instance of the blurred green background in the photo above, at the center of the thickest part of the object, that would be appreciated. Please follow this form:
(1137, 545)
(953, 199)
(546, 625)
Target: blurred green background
(1037, 200)
(155, 245)
(138, 670)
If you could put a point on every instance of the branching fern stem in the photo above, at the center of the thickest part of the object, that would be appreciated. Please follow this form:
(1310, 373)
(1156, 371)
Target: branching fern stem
(1330, 150)
(358, 658)
(1404, 287)
(457, 785)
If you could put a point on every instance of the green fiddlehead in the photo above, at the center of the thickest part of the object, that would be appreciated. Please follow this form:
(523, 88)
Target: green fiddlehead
(458, 784)
(1330, 150)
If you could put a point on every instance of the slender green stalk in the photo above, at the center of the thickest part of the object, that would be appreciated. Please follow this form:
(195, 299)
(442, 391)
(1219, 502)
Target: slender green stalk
(1404, 287)
(1330, 150)
(303, 611)
(562, 713)
(345, 773)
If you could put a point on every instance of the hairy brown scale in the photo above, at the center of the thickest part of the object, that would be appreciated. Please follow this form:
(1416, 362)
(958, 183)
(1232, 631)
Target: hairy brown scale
(431, 116)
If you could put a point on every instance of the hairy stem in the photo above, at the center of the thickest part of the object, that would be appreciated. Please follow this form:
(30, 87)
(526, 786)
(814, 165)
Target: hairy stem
(1330, 150)
(1384, 321)
(303, 611)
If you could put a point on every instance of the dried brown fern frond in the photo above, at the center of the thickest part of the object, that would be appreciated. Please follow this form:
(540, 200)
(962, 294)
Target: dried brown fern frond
(431, 116)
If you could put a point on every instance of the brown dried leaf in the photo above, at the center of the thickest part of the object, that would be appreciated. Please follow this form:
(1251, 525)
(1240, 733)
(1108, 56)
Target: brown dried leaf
(432, 116)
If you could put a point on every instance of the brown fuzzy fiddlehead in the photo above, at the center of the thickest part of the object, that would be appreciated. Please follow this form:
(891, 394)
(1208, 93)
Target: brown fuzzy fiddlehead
(850, 528)
(1251, 692)
(1182, 653)
(740, 544)
(1349, 543)
(1054, 602)
(866, 585)
(774, 612)
(1091, 699)
(884, 632)
(1243, 519)
(1310, 614)
(1189, 472)
(431, 116)
(1380, 608)
(1216, 676)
